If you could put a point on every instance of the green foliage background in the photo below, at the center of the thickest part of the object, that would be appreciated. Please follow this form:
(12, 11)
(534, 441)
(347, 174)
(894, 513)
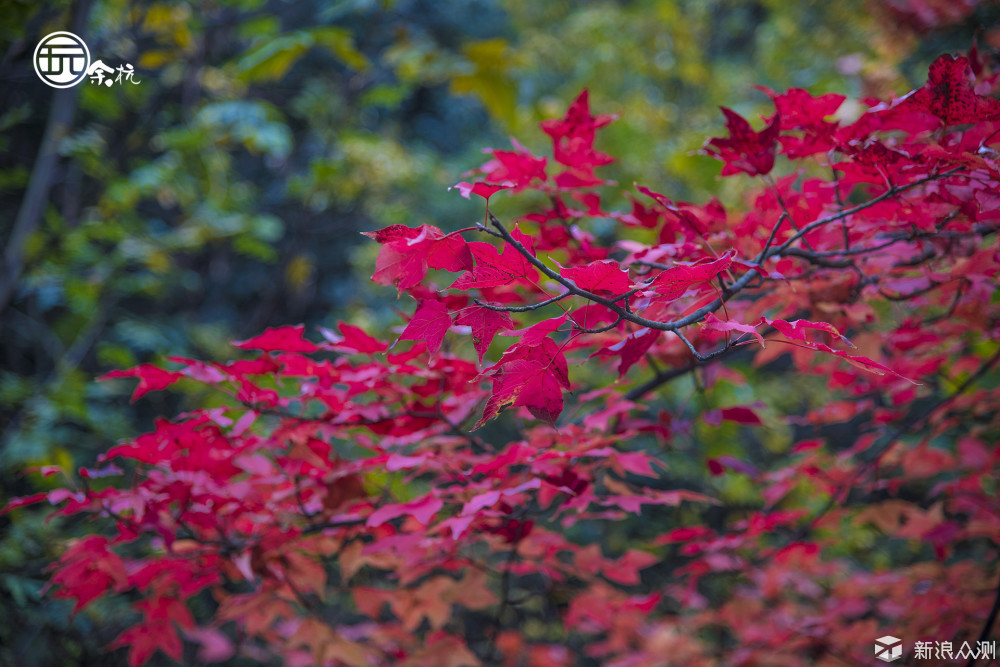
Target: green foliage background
(224, 193)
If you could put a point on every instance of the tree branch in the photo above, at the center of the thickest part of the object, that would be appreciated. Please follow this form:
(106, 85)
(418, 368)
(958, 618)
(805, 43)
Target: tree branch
(522, 309)
(42, 175)
(888, 194)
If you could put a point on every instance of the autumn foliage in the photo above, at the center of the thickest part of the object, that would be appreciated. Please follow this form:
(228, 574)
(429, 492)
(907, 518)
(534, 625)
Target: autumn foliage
(440, 495)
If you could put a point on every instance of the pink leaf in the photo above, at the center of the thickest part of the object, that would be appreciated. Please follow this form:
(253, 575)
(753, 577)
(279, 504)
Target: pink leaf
(484, 190)
(422, 509)
(714, 323)
(353, 340)
(151, 378)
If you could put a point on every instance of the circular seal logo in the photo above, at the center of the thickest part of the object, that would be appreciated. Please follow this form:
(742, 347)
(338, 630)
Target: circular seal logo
(61, 59)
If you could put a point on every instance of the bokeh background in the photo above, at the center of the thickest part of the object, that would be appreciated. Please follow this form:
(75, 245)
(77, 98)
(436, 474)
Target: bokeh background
(225, 191)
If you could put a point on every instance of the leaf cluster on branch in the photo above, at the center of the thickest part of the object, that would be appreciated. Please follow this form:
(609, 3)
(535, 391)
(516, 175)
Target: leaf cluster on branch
(353, 502)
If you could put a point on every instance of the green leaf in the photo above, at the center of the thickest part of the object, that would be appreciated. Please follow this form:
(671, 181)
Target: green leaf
(340, 43)
(272, 59)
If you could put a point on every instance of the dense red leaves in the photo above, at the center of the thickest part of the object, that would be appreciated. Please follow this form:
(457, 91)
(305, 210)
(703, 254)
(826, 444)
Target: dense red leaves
(950, 94)
(534, 334)
(804, 128)
(158, 630)
(799, 109)
(685, 221)
(88, 570)
(745, 150)
(339, 509)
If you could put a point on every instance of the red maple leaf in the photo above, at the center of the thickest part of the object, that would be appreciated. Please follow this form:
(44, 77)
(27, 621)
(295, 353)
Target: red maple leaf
(673, 282)
(799, 108)
(495, 269)
(429, 323)
(283, 339)
(23, 501)
(738, 413)
(151, 378)
(156, 631)
(519, 166)
(87, 570)
(353, 340)
(484, 190)
(573, 142)
(632, 349)
(407, 252)
(745, 150)
(602, 277)
(801, 111)
(485, 324)
(529, 376)
(950, 94)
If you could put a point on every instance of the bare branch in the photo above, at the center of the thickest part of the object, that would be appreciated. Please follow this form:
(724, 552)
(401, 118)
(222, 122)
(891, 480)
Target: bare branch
(522, 309)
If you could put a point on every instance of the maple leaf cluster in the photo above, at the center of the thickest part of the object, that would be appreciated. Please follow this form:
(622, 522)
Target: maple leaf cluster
(431, 500)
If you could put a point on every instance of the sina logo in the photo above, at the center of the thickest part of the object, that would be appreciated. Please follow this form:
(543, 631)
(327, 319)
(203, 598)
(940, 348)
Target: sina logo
(888, 648)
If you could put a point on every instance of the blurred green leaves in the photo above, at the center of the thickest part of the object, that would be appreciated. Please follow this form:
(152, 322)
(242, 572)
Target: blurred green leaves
(487, 74)
(272, 59)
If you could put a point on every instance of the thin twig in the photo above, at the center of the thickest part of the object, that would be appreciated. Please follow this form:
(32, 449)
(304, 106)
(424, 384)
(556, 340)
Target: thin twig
(522, 309)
